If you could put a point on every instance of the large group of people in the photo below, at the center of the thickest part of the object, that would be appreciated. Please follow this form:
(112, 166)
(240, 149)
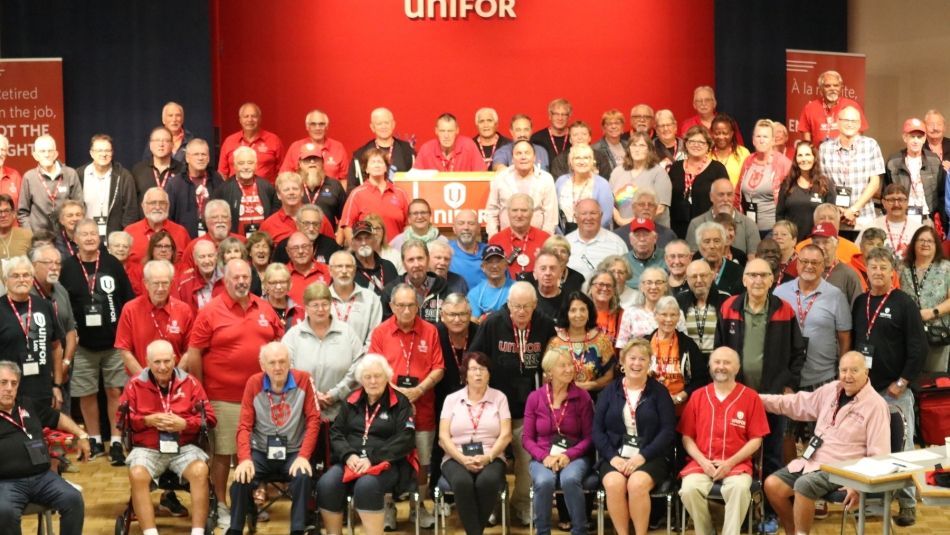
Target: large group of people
(661, 304)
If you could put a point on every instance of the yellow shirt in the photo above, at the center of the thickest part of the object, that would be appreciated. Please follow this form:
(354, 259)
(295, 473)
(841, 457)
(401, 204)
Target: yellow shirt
(733, 162)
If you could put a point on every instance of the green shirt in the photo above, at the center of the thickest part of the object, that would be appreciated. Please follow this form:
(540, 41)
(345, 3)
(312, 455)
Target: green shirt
(753, 346)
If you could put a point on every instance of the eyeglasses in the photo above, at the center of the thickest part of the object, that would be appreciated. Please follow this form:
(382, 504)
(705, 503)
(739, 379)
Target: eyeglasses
(6, 211)
(649, 283)
(20, 276)
(602, 285)
(59, 263)
(697, 143)
(758, 275)
(703, 100)
(895, 199)
(156, 203)
(849, 121)
(521, 308)
(404, 306)
(310, 223)
(420, 213)
(278, 283)
(162, 246)
(296, 248)
(457, 315)
(342, 266)
(318, 305)
(810, 262)
(641, 116)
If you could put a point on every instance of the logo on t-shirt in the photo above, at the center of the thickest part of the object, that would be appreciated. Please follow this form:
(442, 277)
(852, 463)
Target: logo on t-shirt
(886, 313)
(107, 283)
(739, 420)
(423, 348)
(262, 321)
(39, 319)
(174, 328)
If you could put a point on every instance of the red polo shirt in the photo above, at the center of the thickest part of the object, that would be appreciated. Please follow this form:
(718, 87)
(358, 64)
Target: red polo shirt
(336, 161)
(530, 246)
(142, 322)
(230, 338)
(187, 260)
(421, 346)
(10, 181)
(391, 204)
(269, 149)
(822, 123)
(141, 233)
(299, 281)
(465, 156)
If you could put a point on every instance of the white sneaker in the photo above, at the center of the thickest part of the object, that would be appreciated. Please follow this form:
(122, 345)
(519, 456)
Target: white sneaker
(426, 519)
(224, 516)
(389, 516)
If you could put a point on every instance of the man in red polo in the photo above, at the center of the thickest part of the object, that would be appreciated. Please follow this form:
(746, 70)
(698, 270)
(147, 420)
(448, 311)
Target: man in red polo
(267, 145)
(196, 286)
(282, 223)
(10, 178)
(151, 317)
(155, 208)
(223, 353)
(336, 161)
(520, 240)
(411, 346)
(304, 270)
(448, 151)
(819, 118)
(217, 218)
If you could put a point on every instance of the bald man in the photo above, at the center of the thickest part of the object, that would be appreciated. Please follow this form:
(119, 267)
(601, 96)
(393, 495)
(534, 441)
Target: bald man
(382, 124)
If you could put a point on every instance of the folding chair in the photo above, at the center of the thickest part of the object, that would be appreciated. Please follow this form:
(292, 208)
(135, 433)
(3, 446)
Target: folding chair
(44, 517)
(590, 484)
(756, 489)
(413, 496)
(443, 489)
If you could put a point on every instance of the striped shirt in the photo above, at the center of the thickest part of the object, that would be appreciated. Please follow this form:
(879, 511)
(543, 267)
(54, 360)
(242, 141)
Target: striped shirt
(851, 168)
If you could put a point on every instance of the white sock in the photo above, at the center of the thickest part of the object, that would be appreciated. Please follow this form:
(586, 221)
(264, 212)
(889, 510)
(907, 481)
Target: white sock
(150, 531)
(197, 531)
(97, 438)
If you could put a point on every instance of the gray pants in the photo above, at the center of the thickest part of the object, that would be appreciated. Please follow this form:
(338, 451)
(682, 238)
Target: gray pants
(905, 402)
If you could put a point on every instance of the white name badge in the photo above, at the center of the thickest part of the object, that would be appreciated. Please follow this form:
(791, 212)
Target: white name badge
(843, 197)
(31, 368)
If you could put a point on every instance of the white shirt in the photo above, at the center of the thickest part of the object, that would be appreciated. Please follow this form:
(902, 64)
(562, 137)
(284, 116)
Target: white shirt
(95, 192)
(586, 255)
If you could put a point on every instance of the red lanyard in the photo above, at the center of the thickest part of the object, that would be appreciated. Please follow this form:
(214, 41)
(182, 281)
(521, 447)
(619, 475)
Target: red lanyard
(554, 145)
(202, 197)
(24, 326)
(390, 158)
(55, 193)
(491, 156)
(40, 290)
(312, 199)
(662, 363)
(578, 356)
(280, 412)
(90, 279)
(158, 329)
(524, 248)
(380, 282)
(475, 419)
(631, 406)
(448, 163)
(407, 354)
(343, 317)
(877, 311)
(167, 400)
(689, 178)
(69, 245)
(802, 314)
(521, 340)
(557, 419)
(890, 238)
(830, 269)
(159, 181)
(368, 419)
(22, 426)
(245, 193)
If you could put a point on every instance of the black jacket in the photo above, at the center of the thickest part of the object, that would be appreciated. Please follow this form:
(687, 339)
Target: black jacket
(378, 278)
(451, 381)
(431, 307)
(932, 175)
(144, 176)
(183, 206)
(656, 421)
(230, 191)
(123, 208)
(402, 158)
(323, 247)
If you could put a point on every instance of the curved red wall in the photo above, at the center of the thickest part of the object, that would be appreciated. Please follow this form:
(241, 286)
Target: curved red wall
(349, 56)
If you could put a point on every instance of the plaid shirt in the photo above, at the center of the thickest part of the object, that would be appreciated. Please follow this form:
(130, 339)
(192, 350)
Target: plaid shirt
(851, 167)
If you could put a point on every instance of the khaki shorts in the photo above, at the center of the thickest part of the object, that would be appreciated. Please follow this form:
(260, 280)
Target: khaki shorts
(86, 366)
(424, 446)
(157, 463)
(224, 435)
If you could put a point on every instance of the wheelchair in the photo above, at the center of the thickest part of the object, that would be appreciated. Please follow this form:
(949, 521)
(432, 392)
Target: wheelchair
(168, 480)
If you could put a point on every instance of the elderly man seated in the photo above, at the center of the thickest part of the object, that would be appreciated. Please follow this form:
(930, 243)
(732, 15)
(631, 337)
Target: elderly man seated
(165, 420)
(277, 433)
(851, 421)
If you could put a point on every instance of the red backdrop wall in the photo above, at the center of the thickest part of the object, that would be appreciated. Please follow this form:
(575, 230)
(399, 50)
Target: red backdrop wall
(349, 56)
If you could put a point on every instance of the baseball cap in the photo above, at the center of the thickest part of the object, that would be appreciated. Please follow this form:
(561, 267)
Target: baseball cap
(362, 226)
(310, 150)
(493, 250)
(642, 224)
(824, 230)
(914, 125)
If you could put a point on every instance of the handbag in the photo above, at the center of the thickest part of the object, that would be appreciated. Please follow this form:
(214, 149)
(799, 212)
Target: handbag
(937, 335)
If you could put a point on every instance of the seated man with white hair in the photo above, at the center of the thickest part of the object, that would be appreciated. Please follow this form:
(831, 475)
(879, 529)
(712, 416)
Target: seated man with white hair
(164, 419)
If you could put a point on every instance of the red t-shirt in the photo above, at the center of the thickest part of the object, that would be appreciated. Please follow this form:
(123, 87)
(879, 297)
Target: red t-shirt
(391, 204)
(424, 352)
(722, 428)
(530, 246)
(336, 161)
(251, 211)
(10, 182)
(269, 149)
(141, 232)
(141, 323)
(230, 338)
(822, 123)
(299, 281)
(465, 156)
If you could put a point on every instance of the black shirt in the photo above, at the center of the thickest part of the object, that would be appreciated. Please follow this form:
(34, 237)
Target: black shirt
(452, 380)
(111, 291)
(330, 197)
(143, 174)
(488, 151)
(35, 359)
(684, 207)
(376, 278)
(401, 157)
(898, 338)
(798, 206)
(14, 460)
(543, 138)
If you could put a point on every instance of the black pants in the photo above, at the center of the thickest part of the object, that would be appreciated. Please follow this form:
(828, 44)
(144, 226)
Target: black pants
(475, 493)
(368, 490)
(299, 491)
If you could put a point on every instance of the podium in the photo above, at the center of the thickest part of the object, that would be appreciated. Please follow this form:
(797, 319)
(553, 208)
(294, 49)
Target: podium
(447, 192)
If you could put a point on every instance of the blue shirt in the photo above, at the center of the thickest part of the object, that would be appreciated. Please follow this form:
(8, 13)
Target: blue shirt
(486, 299)
(504, 156)
(468, 266)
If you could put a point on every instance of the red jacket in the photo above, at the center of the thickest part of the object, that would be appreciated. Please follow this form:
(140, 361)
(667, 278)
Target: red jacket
(254, 425)
(144, 399)
(190, 283)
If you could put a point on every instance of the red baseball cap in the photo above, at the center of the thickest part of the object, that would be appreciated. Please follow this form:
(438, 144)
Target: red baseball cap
(310, 150)
(642, 224)
(914, 125)
(824, 230)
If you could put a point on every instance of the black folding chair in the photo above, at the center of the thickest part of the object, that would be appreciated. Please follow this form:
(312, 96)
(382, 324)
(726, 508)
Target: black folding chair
(443, 490)
(756, 511)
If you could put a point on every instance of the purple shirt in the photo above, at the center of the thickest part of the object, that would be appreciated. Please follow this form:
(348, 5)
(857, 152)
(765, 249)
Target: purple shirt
(489, 411)
(539, 422)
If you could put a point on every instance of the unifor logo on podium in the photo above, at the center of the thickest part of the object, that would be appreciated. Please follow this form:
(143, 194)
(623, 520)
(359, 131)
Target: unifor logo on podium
(447, 193)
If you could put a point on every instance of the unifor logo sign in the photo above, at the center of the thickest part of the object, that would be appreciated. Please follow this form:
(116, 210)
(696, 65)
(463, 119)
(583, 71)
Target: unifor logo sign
(460, 9)
(454, 195)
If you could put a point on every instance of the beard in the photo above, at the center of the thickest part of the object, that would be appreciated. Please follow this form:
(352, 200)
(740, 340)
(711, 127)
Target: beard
(466, 238)
(52, 278)
(364, 251)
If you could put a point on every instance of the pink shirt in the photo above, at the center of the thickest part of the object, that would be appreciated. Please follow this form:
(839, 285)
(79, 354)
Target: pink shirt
(862, 428)
(493, 408)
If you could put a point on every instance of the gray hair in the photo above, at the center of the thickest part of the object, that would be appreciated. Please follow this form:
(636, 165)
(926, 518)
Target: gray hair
(120, 234)
(308, 208)
(667, 302)
(11, 366)
(456, 298)
(86, 222)
(521, 196)
(37, 251)
(873, 233)
(157, 347)
(664, 113)
(411, 244)
(880, 253)
(605, 264)
(492, 111)
(373, 359)
(216, 203)
(434, 245)
(271, 348)
(244, 150)
(15, 263)
(149, 270)
(710, 226)
(401, 287)
(522, 287)
(644, 192)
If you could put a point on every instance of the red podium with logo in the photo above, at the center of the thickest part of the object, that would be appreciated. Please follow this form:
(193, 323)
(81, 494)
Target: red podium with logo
(447, 192)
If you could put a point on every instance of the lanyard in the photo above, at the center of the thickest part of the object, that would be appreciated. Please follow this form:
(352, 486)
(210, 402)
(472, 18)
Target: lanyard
(312, 199)
(40, 290)
(457, 354)
(407, 354)
(554, 144)
(55, 193)
(690, 178)
(390, 158)
(368, 419)
(280, 411)
(578, 356)
(448, 162)
(631, 406)
(830, 269)
(159, 181)
(378, 282)
(521, 340)
(69, 244)
(342, 316)
(838, 406)
(21, 426)
(475, 419)
(900, 238)
(784, 266)
(662, 363)
(491, 156)
(917, 285)
(24, 325)
(90, 279)
(167, 400)
(701, 325)
(252, 192)
(802, 314)
(158, 329)
(877, 311)
(557, 419)
(201, 191)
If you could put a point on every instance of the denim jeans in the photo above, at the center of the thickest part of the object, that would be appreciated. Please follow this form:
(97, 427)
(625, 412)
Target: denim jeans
(905, 402)
(47, 489)
(572, 481)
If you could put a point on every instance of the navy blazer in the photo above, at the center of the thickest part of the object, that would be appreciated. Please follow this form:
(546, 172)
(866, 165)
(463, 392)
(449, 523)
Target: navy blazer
(656, 421)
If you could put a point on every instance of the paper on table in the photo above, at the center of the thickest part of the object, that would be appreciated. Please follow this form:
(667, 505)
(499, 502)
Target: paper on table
(916, 456)
(875, 467)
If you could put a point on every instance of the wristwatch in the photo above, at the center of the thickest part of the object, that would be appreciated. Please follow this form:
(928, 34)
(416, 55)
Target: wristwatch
(82, 436)
(936, 312)
(901, 383)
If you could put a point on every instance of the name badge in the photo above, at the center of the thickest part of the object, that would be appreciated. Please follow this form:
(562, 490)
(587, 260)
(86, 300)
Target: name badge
(251, 229)
(813, 445)
(630, 446)
(472, 449)
(523, 260)
(406, 381)
(93, 313)
(63, 189)
(38, 451)
(277, 448)
(31, 368)
(202, 229)
(560, 444)
(167, 442)
(843, 197)
(751, 210)
(101, 222)
(868, 351)
(915, 215)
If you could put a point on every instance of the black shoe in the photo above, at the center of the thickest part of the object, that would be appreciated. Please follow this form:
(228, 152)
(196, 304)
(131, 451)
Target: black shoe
(907, 516)
(116, 454)
(233, 532)
(170, 505)
(95, 449)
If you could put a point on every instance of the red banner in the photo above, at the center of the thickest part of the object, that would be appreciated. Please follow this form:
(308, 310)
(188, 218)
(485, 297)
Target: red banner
(31, 104)
(802, 68)
(447, 193)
